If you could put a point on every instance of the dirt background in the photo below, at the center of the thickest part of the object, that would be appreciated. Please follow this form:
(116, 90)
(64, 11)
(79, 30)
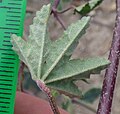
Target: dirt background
(96, 42)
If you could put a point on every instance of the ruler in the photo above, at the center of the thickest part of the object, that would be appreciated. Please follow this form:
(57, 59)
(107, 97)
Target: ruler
(12, 13)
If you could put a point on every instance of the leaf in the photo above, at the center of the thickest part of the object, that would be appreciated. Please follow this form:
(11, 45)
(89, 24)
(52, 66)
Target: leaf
(66, 87)
(47, 60)
(32, 51)
(74, 44)
(67, 104)
(89, 6)
(77, 69)
(63, 76)
(91, 95)
(67, 0)
(52, 1)
(60, 46)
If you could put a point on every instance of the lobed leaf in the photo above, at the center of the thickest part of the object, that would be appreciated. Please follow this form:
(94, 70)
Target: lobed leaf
(60, 46)
(77, 69)
(32, 51)
(89, 6)
(47, 60)
(66, 87)
(63, 76)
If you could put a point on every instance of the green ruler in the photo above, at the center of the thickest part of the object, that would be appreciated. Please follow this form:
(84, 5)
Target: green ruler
(12, 13)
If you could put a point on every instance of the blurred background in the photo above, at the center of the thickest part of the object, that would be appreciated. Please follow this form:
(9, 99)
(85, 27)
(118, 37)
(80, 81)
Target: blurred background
(96, 42)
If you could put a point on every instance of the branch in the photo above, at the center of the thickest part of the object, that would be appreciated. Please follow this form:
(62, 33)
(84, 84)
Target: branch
(111, 72)
(20, 73)
(55, 13)
(65, 10)
(59, 20)
(51, 99)
(56, 3)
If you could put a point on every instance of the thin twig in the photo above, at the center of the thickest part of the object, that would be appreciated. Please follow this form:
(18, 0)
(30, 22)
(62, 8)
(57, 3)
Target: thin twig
(111, 72)
(51, 99)
(54, 12)
(65, 10)
(20, 73)
(56, 3)
(25, 37)
(59, 20)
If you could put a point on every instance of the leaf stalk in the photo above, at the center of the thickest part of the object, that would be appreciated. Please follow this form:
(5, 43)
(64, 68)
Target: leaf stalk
(51, 99)
(56, 3)
(20, 78)
(55, 13)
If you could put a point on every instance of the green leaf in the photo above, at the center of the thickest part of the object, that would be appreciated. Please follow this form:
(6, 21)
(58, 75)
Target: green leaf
(67, 0)
(52, 1)
(77, 69)
(63, 44)
(67, 104)
(63, 76)
(91, 95)
(89, 6)
(47, 60)
(32, 51)
(66, 87)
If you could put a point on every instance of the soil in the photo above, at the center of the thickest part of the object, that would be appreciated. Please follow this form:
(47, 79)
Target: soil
(96, 42)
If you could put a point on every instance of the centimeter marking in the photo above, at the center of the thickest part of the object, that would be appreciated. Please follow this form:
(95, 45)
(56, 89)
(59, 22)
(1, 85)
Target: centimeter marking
(12, 14)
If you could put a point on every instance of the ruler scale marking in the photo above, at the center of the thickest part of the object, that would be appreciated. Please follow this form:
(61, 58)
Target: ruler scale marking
(12, 13)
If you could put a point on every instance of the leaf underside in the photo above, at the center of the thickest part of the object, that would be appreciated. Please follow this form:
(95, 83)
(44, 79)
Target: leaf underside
(89, 6)
(49, 61)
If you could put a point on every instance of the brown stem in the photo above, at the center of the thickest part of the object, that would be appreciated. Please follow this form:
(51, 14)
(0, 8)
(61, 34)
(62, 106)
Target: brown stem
(51, 99)
(54, 12)
(106, 98)
(20, 73)
(56, 3)
(65, 10)
(59, 20)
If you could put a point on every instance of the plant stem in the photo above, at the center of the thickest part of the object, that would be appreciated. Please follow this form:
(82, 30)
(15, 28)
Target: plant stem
(54, 12)
(59, 20)
(105, 103)
(20, 73)
(65, 10)
(51, 99)
(56, 3)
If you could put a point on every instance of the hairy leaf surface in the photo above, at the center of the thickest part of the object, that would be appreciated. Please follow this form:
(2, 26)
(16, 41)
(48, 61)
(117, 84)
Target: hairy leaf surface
(32, 51)
(66, 87)
(77, 69)
(49, 62)
(60, 46)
